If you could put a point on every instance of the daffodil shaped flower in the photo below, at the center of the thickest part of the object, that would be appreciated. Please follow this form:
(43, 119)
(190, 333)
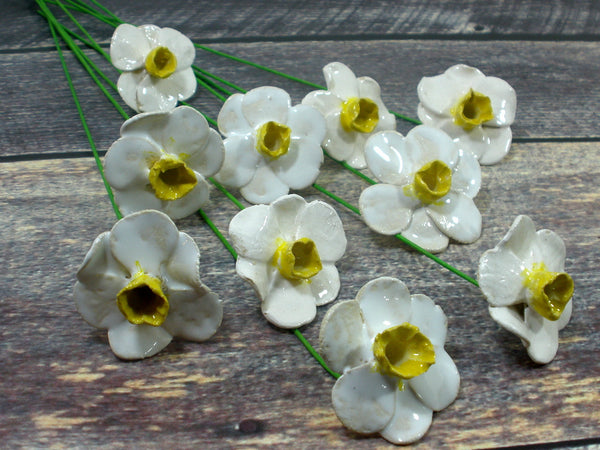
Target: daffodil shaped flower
(156, 64)
(140, 281)
(426, 191)
(389, 347)
(161, 162)
(525, 284)
(287, 250)
(475, 110)
(353, 110)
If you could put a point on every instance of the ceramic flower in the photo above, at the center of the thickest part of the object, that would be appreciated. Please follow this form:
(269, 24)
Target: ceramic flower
(156, 64)
(389, 347)
(270, 146)
(161, 162)
(287, 250)
(353, 110)
(525, 284)
(475, 110)
(426, 190)
(140, 281)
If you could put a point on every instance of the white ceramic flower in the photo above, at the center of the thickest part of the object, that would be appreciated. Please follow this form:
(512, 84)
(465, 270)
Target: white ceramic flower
(525, 284)
(156, 64)
(426, 191)
(475, 110)
(353, 110)
(161, 162)
(141, 282)
(389, 347)
(270, 146)
(287, 250)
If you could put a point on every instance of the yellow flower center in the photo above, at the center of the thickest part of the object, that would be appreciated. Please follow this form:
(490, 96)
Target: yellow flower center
(143, 301)
(171, 178)
(550, 291)
(472, 110)
(298, 260)
(403, 351)
(359, 114)
(161, 62)
(432, 181)
(273, 139)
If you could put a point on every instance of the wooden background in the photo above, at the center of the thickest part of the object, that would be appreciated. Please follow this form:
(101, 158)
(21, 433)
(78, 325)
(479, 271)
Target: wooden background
(253, 385)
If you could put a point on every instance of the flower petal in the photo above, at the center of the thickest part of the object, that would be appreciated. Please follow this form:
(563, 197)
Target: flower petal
(426, 144)
(182, 269)
(324, 101)
(519, 237)
(499, 277)
(340, 80)
(488, 144)
(179, 44)
(136, 198)
(287, 211)
(189, 203)
(99, 309)
(357, 159)
(127, 86)
(423, 232)
(384, 302)
(240, 161)
(254, 232)
(338, 143)
(129, 341)
(256, 273)
(319, 222)
(149, 97)
(146, 239)
(410, 421)
(363, 399)
(99, 271)
(306, 122)
(386, 154)
(264, 104)
(289, 304)
(343, 338)
(231, 119)
(128, 47)
(128, 160)
(543, 337)
(299, 167)
(429, 318)
(208, 159)
(550, 248)
(264, 187)
(457, 216)
(438, 387)
(325, 285)
(503, 98)
(386, 209)
(466, 178)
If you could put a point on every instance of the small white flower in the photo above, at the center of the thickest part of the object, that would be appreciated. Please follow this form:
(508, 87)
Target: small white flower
(287, 250)
(390, 347)
(525, 284)
(156, 64)
(427, 188)
(353, 110)
(270, 147)
(475, 110)
(161, 162)
(141, 282)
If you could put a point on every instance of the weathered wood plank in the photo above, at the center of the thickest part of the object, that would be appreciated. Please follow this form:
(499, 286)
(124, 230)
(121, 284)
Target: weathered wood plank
(280, 19)
(61, 384)
(555, 84)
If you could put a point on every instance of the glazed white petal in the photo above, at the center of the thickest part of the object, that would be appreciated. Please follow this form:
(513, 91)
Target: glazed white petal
(130, 341)
(150, 97)
(195, 313)
(343, 338)
(99, 309)
(306, 123)
(543, 337)
(550, 248)
(499, 277)
(503, 98)
(190, 203)
(287, 212)
(385, 209)
(128, 160)
(325, 285)
(520, 234)
(509, 318)
(466, 178)
(136, 198)
(179, 44)
(264, 104)
(152, 235)
(410, 421)
(99, 271)
(240, 161)
(182, 268)
(488, 144)
(289, 304)
(299, 167)
(423, 232)
(338, 143)
(319, 222)
(128, 47)
(369, 88)
(357, 159)
(441, 92)
(340, 80)
(426, 144)
(438, 387)
(152, 33)
(127, 86)
(363, 399)
(565, 316)
(429, 318)
(231, 119)
(324, 101)
(385, 154)
(264, 187)
(254, 233)
(208, 159)
(256, 273)
(457, 217)
(385, 302)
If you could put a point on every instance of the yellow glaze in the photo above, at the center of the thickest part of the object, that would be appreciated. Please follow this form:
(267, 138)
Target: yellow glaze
(143, 301)
(550, 291)
(273, 139)
(298, 260)
(359, 114)
(171, 178)
(472, 110)
(432, 181)
(403, 351)
(161, 62)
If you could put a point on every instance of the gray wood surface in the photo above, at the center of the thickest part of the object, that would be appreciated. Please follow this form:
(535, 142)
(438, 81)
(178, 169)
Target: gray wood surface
(253, 385)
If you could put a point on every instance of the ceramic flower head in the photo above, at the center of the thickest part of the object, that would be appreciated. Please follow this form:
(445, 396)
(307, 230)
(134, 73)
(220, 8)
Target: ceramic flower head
(161, 162)
(140, 281)
(525, 284)
(156, 64)
(287, 250)
(270, 146)
(475, 110)
(390, 347)
(426, 191)
(353, 110)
